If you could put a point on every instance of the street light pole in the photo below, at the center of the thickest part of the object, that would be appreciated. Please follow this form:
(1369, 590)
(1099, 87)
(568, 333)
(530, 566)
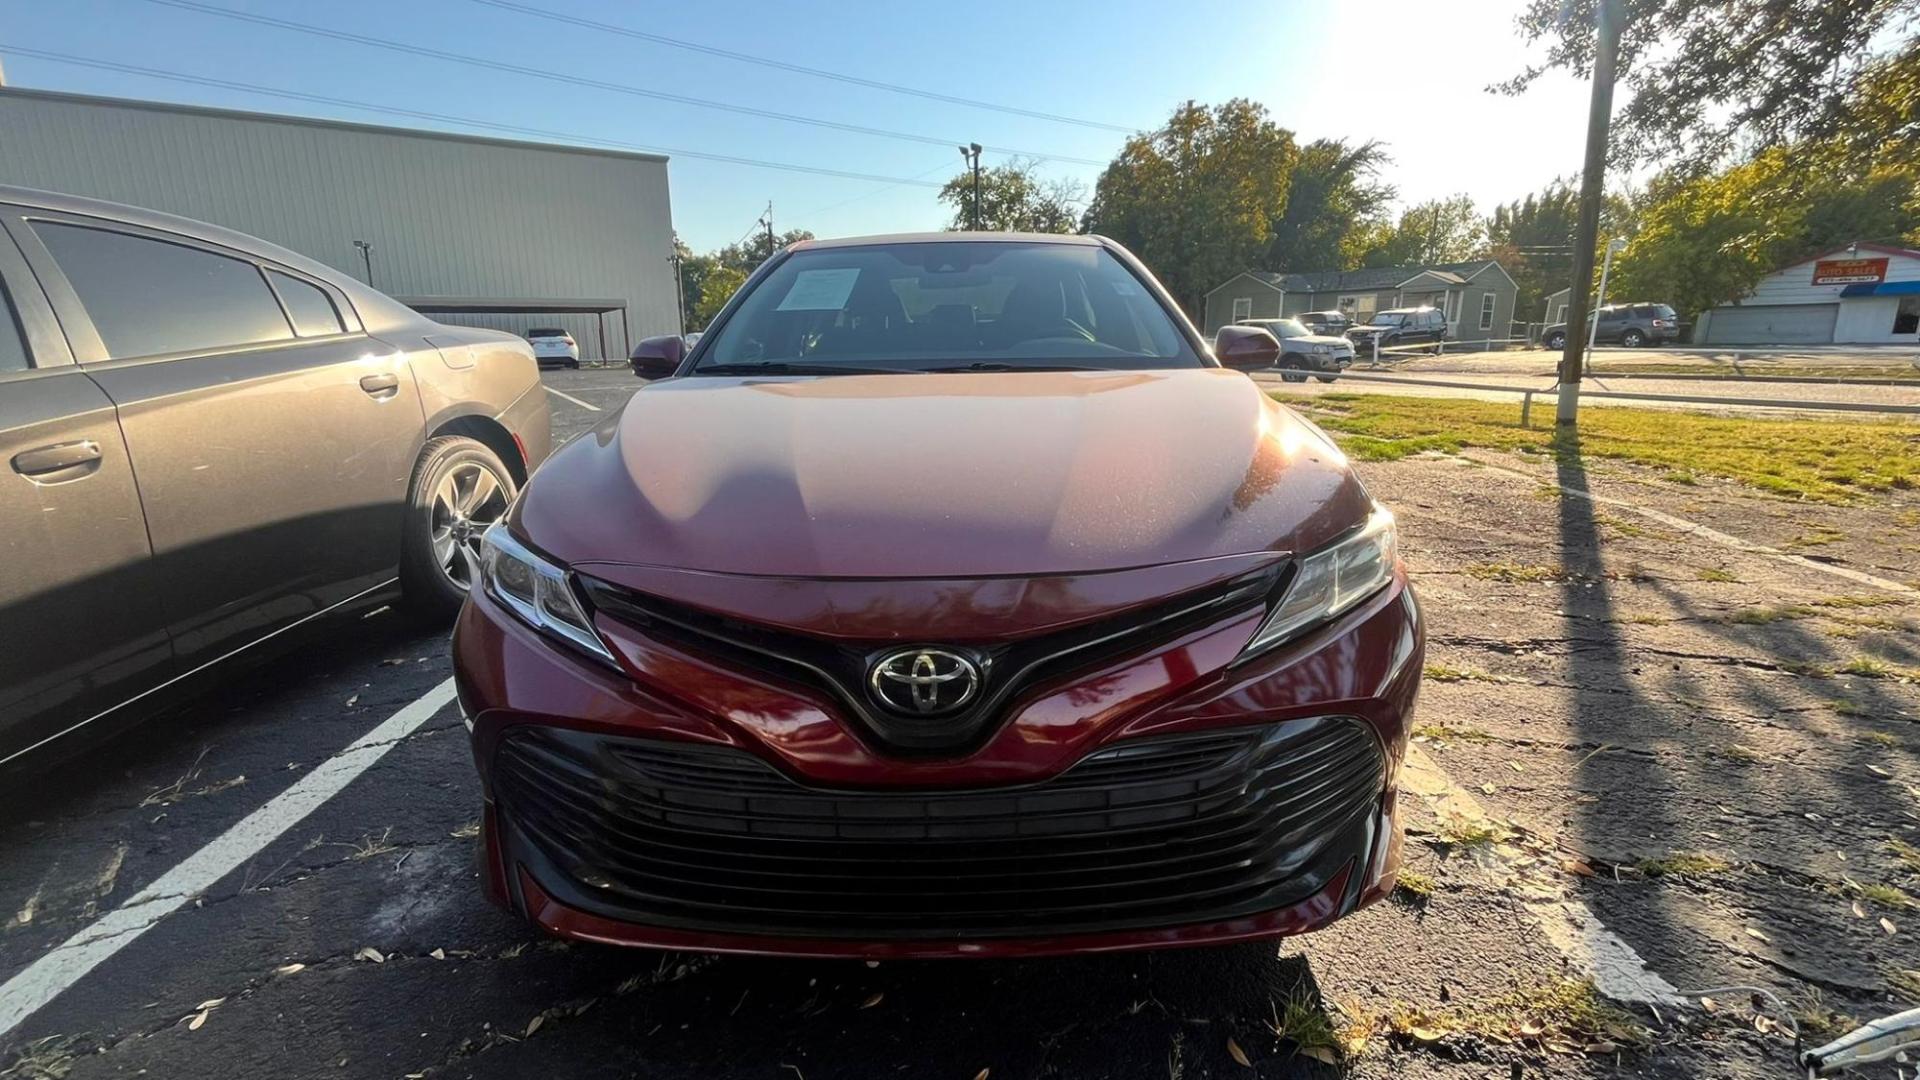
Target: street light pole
(366, 258)
(1606, 56)
(679, 295)
(970, 153)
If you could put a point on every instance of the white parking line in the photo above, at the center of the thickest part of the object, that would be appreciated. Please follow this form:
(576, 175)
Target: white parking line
(1597, 952)
(49, 976)
(1858, 577)
(575, 400)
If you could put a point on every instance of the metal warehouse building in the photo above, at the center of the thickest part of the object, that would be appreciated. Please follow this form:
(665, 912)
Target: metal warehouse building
(477, 231)
(1860, 294)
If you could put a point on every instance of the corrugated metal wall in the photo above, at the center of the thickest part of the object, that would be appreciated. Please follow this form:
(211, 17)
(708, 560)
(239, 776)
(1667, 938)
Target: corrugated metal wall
(446, 216)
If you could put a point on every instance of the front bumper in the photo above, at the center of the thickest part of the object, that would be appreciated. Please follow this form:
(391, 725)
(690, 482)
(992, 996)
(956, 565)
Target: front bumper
(616, 813)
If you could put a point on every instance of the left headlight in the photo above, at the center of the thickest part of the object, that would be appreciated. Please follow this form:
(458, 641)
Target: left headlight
(537, 591)
(1331, 581)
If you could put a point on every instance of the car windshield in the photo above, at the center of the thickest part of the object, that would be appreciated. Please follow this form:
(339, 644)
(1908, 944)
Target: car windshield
(1286, 328)
(1387, 318)
(545, 332)
(1662, 311)
(940, 305)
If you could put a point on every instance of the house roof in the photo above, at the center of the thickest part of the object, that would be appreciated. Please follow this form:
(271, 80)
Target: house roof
(1882, 249)
(1376, 278)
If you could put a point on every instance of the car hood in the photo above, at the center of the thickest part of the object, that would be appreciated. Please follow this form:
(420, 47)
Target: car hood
(1318, 339)
(941, 476)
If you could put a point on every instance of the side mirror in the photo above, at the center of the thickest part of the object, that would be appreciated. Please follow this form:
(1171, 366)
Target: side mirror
(658, 357)
(1245, 348)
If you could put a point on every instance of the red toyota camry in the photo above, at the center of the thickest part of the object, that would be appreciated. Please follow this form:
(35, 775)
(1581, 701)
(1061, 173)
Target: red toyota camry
(950, 598)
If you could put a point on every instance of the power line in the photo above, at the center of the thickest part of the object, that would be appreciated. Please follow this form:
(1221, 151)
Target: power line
(821, 73)
(518, 129)
(818, 210)
(579, 80)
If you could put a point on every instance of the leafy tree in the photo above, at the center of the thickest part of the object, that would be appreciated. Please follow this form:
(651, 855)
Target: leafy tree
(721, 283)
(1440, 231)
(1708, 77)
(1197, 199)
(1014, 199)
(1333, 196)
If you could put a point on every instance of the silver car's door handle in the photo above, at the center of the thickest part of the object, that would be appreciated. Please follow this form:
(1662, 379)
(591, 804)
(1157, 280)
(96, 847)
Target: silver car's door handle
(380, 386)
(78, 458)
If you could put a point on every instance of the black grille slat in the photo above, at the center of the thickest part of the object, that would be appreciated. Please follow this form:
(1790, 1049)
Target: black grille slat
(1163, 829)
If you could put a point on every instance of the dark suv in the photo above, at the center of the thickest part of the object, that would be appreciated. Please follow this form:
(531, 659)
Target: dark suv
(1330, 323)
(1631, 325)
(1399, 326)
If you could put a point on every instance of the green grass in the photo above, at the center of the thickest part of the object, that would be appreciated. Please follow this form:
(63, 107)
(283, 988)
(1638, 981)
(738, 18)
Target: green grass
(1684, 864)
(1868, 667)
(1717, 575)
(1463, 832)
(1870, 600)
(1908, 855)
(1449, 733)
(1830, 461)
(1413, 885)
(1761, 616)
(1513, 573)
(1449, 673)
(1884, 895)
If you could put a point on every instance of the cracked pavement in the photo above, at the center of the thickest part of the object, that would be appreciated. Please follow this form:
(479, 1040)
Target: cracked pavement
(1611, 694)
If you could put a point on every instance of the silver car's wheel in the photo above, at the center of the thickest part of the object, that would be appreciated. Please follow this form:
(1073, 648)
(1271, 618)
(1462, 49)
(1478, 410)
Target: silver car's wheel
(469, 497)
(459, 487)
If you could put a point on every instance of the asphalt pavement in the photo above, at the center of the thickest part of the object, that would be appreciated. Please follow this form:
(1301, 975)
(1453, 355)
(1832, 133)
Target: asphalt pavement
(1596, 711)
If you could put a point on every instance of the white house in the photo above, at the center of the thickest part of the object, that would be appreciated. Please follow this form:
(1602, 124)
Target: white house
(1859, 294)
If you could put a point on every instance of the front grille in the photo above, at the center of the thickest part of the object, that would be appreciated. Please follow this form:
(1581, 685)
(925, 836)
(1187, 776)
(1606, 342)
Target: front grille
(1149, 832)
(839, 669)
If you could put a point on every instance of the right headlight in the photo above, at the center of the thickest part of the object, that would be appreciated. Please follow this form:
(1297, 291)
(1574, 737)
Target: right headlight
(536, 590)
(1331, 581)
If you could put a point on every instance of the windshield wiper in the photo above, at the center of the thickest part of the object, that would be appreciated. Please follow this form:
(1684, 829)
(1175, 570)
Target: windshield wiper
(995, 365)
(782, 367)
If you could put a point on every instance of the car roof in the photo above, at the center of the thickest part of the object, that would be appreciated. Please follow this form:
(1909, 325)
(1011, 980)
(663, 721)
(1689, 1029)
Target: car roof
(1073, 239)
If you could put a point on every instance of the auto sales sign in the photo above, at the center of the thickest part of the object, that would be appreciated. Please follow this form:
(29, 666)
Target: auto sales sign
(1849, 271)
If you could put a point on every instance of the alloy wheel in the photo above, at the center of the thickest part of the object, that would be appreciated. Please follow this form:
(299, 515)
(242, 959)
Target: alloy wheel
(468, 498)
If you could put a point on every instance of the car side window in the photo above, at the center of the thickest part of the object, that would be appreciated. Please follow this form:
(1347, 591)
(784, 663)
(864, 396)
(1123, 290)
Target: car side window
(149, 297)
(1643, 311)
(308, 305)
(13, 344)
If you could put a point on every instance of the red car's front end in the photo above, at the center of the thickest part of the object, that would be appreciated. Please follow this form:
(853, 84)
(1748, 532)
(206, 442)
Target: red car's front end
(905, 664)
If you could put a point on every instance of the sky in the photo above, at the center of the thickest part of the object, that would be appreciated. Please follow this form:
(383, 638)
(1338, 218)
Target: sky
(1126, 63)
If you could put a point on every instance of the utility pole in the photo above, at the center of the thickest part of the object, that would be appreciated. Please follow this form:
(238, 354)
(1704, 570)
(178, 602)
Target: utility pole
(1606, 55)
(970, 153)
(1614, 247)
(679, 294)
(768, 222)
(366, 258)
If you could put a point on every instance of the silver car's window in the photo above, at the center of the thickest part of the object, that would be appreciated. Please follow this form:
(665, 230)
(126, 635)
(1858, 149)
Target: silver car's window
(919, 305)
(13, 347)
(308, 305)
(148, 297)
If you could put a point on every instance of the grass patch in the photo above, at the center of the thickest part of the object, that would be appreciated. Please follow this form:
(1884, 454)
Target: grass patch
(1717, 574)
(1449, 733)
(1887, 896)
(1414, 886)
(1908, 855)
(1463, 832)
(1745, 755)
(1684, 864)
(1871, 667)
(1878, 738)
(1830, 461)
(1904, 984)
(1303, 1021)
(1761, 616)
(1567, 1013)
(1513, 573)
(1819, 1020)
(1870, 600)
(1449, 673)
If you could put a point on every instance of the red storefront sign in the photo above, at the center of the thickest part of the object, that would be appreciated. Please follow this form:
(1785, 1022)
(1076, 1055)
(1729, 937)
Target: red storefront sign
(1849, 271)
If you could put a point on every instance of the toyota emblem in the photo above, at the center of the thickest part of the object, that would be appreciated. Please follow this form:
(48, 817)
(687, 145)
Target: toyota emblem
(924, 681)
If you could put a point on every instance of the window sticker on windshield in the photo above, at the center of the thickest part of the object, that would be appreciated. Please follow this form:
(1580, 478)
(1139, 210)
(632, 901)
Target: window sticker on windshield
(820, 290)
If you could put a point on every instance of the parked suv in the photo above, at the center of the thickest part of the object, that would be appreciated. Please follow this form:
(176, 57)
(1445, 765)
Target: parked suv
(1330, 323)
(1399, 326)
(1303, 352)
(1631, 325)
(209, 441)
(949, 598)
